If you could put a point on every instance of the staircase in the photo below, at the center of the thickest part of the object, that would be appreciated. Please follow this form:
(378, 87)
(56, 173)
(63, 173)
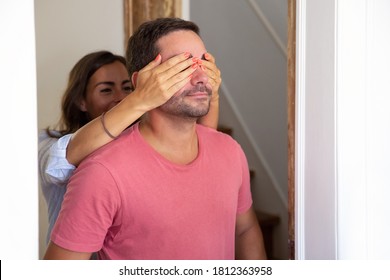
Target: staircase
(267, 221)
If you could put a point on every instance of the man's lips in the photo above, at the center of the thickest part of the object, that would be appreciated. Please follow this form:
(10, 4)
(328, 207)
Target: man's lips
(198, 94)
(198, 91)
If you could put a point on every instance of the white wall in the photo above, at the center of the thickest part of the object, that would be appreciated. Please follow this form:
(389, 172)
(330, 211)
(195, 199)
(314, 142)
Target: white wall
(18, 144)
(363, 133)
(343, 129)
(315, 130)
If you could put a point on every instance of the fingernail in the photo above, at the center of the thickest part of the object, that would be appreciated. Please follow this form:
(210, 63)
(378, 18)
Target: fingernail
(195, 65)
(157, 57)
(207, 56)
(187, 54)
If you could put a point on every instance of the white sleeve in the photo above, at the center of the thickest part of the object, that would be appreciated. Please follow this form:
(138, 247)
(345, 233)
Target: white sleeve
(58, 167)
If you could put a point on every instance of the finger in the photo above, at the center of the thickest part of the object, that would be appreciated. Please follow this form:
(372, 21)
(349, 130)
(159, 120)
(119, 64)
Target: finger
(164, 71)
(209, 57)
(155, 62)
(171, 87)
(179, 84)
(188, 64)
(167, 64)
(208, 63)
(182, 75)
(163, 85)
(215, 83)
(172, 62)
(211, 70)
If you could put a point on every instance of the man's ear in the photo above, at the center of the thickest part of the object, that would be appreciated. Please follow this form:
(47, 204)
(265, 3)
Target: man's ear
(134, 79)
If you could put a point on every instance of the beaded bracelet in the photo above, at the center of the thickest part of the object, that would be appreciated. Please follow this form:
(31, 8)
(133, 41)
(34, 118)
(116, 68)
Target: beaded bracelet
(104, 127)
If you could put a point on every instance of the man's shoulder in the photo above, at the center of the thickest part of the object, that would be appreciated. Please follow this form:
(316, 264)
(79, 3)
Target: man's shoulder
(215, 135)
(115, 148)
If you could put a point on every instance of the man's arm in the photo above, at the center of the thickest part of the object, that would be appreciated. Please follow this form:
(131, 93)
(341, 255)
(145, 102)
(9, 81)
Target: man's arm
(55, 252)
(90, 203)
(249, 239)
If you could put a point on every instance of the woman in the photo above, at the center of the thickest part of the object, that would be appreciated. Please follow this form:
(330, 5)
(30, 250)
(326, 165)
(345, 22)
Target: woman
(97, 106)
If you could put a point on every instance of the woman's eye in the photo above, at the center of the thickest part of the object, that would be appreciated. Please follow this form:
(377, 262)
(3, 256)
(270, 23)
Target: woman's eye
(127, 89)
(105, 90)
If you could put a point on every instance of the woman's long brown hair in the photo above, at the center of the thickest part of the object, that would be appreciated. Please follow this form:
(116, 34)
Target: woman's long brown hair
(72, 118)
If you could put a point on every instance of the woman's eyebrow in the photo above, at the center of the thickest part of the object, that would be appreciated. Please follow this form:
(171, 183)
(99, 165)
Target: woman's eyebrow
(109, 83)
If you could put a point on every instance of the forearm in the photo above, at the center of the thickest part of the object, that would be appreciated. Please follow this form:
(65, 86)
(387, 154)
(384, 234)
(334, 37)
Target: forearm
(55, 252)
(150, 92)
(249, 238)
(211, 119)
(92, 136)
(250, 245)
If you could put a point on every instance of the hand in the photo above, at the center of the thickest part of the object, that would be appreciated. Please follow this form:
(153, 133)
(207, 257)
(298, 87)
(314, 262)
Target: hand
(208, 65)
(157, 82)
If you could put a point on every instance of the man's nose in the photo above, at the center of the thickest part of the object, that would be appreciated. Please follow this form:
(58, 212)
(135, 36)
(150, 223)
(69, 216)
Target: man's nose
(199, 76)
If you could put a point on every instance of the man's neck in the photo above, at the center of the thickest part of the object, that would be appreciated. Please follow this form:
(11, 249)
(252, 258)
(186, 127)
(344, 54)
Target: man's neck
(172, 137)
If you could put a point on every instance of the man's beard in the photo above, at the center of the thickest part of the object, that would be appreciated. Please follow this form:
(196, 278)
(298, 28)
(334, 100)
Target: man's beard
(178, 106)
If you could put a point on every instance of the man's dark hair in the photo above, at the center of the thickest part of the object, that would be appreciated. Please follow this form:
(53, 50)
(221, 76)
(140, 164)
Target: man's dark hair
(141, 46)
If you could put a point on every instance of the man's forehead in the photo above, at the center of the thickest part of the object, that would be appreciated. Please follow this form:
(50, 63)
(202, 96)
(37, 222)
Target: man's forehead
(201, 56)
(181, 41)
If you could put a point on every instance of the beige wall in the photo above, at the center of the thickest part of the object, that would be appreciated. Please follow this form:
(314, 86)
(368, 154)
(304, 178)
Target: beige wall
(65, 31)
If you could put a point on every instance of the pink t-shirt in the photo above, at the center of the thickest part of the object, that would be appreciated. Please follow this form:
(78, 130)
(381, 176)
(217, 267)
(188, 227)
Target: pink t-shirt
(128, 202)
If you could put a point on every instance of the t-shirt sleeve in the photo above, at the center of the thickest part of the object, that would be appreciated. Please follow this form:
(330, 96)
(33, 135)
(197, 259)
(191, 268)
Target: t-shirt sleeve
(58, 168)
(89, 209)
(44, 144)
(244, 195)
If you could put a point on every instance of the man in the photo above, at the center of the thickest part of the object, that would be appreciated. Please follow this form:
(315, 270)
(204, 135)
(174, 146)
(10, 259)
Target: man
(168, 188)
